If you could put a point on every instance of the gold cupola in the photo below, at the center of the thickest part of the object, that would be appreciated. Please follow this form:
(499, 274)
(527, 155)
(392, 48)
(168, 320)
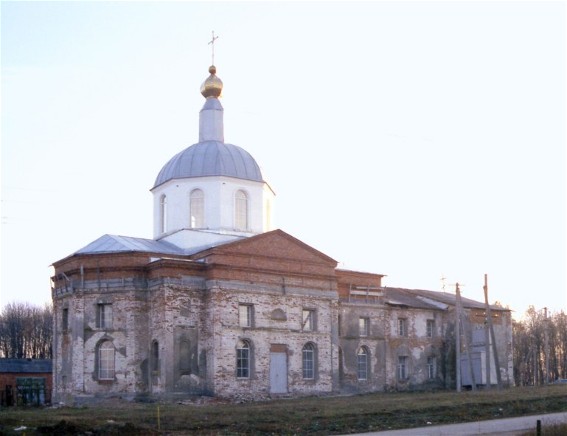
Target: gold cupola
(212, 87)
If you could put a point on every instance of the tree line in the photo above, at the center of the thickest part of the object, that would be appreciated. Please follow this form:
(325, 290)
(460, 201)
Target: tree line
(540, 347)
(26, 331)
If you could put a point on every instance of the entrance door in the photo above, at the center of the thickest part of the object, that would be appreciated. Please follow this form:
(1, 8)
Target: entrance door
(278, 371)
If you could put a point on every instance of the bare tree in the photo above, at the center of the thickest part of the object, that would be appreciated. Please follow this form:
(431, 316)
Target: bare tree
(26, 331)
(540, 347)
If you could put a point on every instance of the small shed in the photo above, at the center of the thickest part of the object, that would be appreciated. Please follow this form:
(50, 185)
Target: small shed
(25, 381)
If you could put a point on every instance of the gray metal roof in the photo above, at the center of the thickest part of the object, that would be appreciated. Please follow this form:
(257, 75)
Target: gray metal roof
(115, 243)
(210, 158)
(25, 365)
(420, 298)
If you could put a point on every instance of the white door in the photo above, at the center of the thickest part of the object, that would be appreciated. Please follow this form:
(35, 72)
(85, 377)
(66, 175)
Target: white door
(278, 373)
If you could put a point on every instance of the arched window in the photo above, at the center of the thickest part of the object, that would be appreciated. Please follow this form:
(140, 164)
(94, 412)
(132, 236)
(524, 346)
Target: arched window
(243, 359)
(241, 210)
(362, 361)
(155, 356)
(163, 214)
(309, 361)
(106, 361)
(197, 209)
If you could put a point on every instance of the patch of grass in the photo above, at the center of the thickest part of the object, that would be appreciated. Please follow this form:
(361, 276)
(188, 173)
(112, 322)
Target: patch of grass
(312, 415)
(549, 430)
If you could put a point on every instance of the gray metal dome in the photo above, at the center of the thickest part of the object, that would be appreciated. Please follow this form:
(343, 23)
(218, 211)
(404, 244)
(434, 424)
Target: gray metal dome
(210, 158)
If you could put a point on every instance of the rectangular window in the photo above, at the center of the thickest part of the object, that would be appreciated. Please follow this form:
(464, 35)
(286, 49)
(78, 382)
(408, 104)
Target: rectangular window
(431, 367)
(364, 326)
(430, 328)
(245, 315)
(402, 367)
(308, 322)
(104, 316)
(65, 319)
(402, 327)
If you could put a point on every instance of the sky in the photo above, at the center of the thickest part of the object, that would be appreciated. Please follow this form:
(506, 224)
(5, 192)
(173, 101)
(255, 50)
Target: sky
(419, 140)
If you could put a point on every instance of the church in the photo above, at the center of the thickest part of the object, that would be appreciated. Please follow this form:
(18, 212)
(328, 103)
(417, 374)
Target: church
(220, 303)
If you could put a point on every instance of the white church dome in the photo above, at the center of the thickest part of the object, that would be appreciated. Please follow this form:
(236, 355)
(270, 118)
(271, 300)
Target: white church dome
(210, 158)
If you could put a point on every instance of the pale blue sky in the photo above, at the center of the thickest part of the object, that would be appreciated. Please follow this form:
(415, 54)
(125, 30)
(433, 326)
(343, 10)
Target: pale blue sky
(413, 139)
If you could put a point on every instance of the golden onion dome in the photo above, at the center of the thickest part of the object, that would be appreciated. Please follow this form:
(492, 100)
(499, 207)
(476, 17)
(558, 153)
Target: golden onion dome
(212, 87)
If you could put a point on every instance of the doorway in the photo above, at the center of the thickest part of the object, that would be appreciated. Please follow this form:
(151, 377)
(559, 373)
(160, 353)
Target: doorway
(278, 369)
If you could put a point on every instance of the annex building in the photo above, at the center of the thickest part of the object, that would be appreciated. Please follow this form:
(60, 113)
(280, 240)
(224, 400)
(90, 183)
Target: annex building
(220, 303)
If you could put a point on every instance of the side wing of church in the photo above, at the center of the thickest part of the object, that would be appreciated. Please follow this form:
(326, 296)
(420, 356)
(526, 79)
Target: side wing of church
(219, 303)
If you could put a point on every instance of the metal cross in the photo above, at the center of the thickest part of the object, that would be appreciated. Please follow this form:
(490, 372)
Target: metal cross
(212, 42)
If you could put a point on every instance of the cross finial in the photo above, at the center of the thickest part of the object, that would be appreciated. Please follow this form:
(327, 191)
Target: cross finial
(212, 42)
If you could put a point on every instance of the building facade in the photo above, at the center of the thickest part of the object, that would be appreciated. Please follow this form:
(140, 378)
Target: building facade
(220, 303)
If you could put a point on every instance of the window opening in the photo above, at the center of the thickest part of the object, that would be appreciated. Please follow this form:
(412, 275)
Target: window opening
(402, 327)
(364, 326)
(155, 356)
(431, 367)
(402, 367)
(430, 328)
(362, 363)
(243, 359)
(104, 316)
(309, 361)
(106, 361)
(245, 315)
(65, 319)
(308, 323)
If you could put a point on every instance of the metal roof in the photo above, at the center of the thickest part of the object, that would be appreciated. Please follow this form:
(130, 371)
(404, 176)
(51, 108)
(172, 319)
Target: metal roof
(26, 365)
(115, 243)
(210, 158)
(421, 298)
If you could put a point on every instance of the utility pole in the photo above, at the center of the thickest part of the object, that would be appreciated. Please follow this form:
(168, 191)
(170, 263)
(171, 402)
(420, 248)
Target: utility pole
(487, 334)
(492, 336)
(465, 338)
(458, 342)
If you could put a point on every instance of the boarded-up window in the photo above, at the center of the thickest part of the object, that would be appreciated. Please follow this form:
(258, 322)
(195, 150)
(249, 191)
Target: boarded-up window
(184, 356)
(197, 209)
(241, 211)
(163, 214)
